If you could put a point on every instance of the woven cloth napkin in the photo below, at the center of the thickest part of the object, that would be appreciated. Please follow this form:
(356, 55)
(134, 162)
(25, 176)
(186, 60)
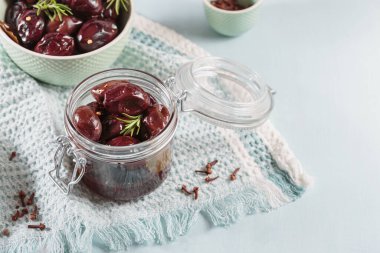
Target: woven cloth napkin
(31, 118)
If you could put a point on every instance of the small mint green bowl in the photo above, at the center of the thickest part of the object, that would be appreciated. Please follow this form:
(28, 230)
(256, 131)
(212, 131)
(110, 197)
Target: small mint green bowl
(66, 70)
(232, 23)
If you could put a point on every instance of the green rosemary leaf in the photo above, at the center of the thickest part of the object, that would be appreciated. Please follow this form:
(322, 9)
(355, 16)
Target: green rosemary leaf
(116, 4)
(110, 3)
(124, 3)
(52, 9)
(132, 124)
(117, 7)
(60, 16)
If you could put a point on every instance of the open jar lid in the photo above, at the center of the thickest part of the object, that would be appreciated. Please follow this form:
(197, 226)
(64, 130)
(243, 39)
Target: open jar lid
(223, 92)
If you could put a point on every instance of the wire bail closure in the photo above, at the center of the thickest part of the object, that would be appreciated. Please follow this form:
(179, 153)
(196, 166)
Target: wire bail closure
(180, 95)
(65, 148)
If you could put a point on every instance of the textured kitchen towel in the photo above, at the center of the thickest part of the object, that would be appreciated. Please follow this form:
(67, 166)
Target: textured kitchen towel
(31, 117)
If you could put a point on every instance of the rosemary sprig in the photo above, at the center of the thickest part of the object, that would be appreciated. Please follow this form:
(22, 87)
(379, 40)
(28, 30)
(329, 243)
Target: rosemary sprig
(131, 124)
(117, 4)
(52, 9)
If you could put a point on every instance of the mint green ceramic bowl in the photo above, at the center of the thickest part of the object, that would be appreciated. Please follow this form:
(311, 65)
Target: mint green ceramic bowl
(66, 70)
(232, 23)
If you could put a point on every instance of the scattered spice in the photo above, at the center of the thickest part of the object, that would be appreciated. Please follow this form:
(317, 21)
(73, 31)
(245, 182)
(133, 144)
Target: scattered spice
(19, 213)
(33, 215)
(30, 200)
(185, 190)
(41, 226)
(202, 171)
(228, 5)
(233, 175)
(210, 179)
(196, 190)
(5, 232)
(16, 215)
(22, 195)
(209, 166)
(12, 155)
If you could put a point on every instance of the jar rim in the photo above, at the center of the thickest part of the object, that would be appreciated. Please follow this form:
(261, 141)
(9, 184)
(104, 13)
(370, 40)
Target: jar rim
(131, 153)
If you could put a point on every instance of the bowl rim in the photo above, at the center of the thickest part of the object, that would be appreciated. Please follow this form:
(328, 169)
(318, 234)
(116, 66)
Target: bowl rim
(123, 33)
(253, 6)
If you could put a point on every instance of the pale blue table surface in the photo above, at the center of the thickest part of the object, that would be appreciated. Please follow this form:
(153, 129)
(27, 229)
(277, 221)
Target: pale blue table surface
(323, 58)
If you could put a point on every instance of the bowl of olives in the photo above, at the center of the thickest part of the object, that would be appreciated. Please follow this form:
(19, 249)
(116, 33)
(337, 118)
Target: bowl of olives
(61, 42)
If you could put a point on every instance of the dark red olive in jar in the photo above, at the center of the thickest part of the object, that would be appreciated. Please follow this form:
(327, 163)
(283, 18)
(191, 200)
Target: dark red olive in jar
(14, 12)
(67, 26)
(55, 44)
(96, 33)
(126, 98)
(30, 2)
(98, 108)
(85, 8)
(122, 141)
(155, 119)
(143, 134)
(87, 122)
(98, 91)
(153, 101)
(30, 27)
(111, 128)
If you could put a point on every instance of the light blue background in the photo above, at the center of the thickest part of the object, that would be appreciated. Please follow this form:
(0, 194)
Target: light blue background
(323, 58)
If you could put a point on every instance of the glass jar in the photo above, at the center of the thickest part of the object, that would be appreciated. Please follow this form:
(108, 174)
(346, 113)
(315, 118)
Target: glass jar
(216, 89)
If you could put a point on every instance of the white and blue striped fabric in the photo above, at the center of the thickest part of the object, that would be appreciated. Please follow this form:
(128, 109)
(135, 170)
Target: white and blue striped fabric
(31, 117)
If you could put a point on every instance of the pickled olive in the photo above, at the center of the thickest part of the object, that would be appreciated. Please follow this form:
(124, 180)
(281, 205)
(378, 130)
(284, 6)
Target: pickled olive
(87, 123)
(68, 26)
(108, 13)
(111, 128)
(96, 33)
(30, 27)
(98, 91)
(126, 98)
(122, 141)
(85, 8)
(94, 106)
(14, 12)
(143, 134)
(55, 44)
(153, 101)
(127, 114)
(97, 108)
(155, 119)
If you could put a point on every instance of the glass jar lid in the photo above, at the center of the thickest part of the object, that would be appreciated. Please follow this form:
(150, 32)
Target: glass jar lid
(223, 92)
